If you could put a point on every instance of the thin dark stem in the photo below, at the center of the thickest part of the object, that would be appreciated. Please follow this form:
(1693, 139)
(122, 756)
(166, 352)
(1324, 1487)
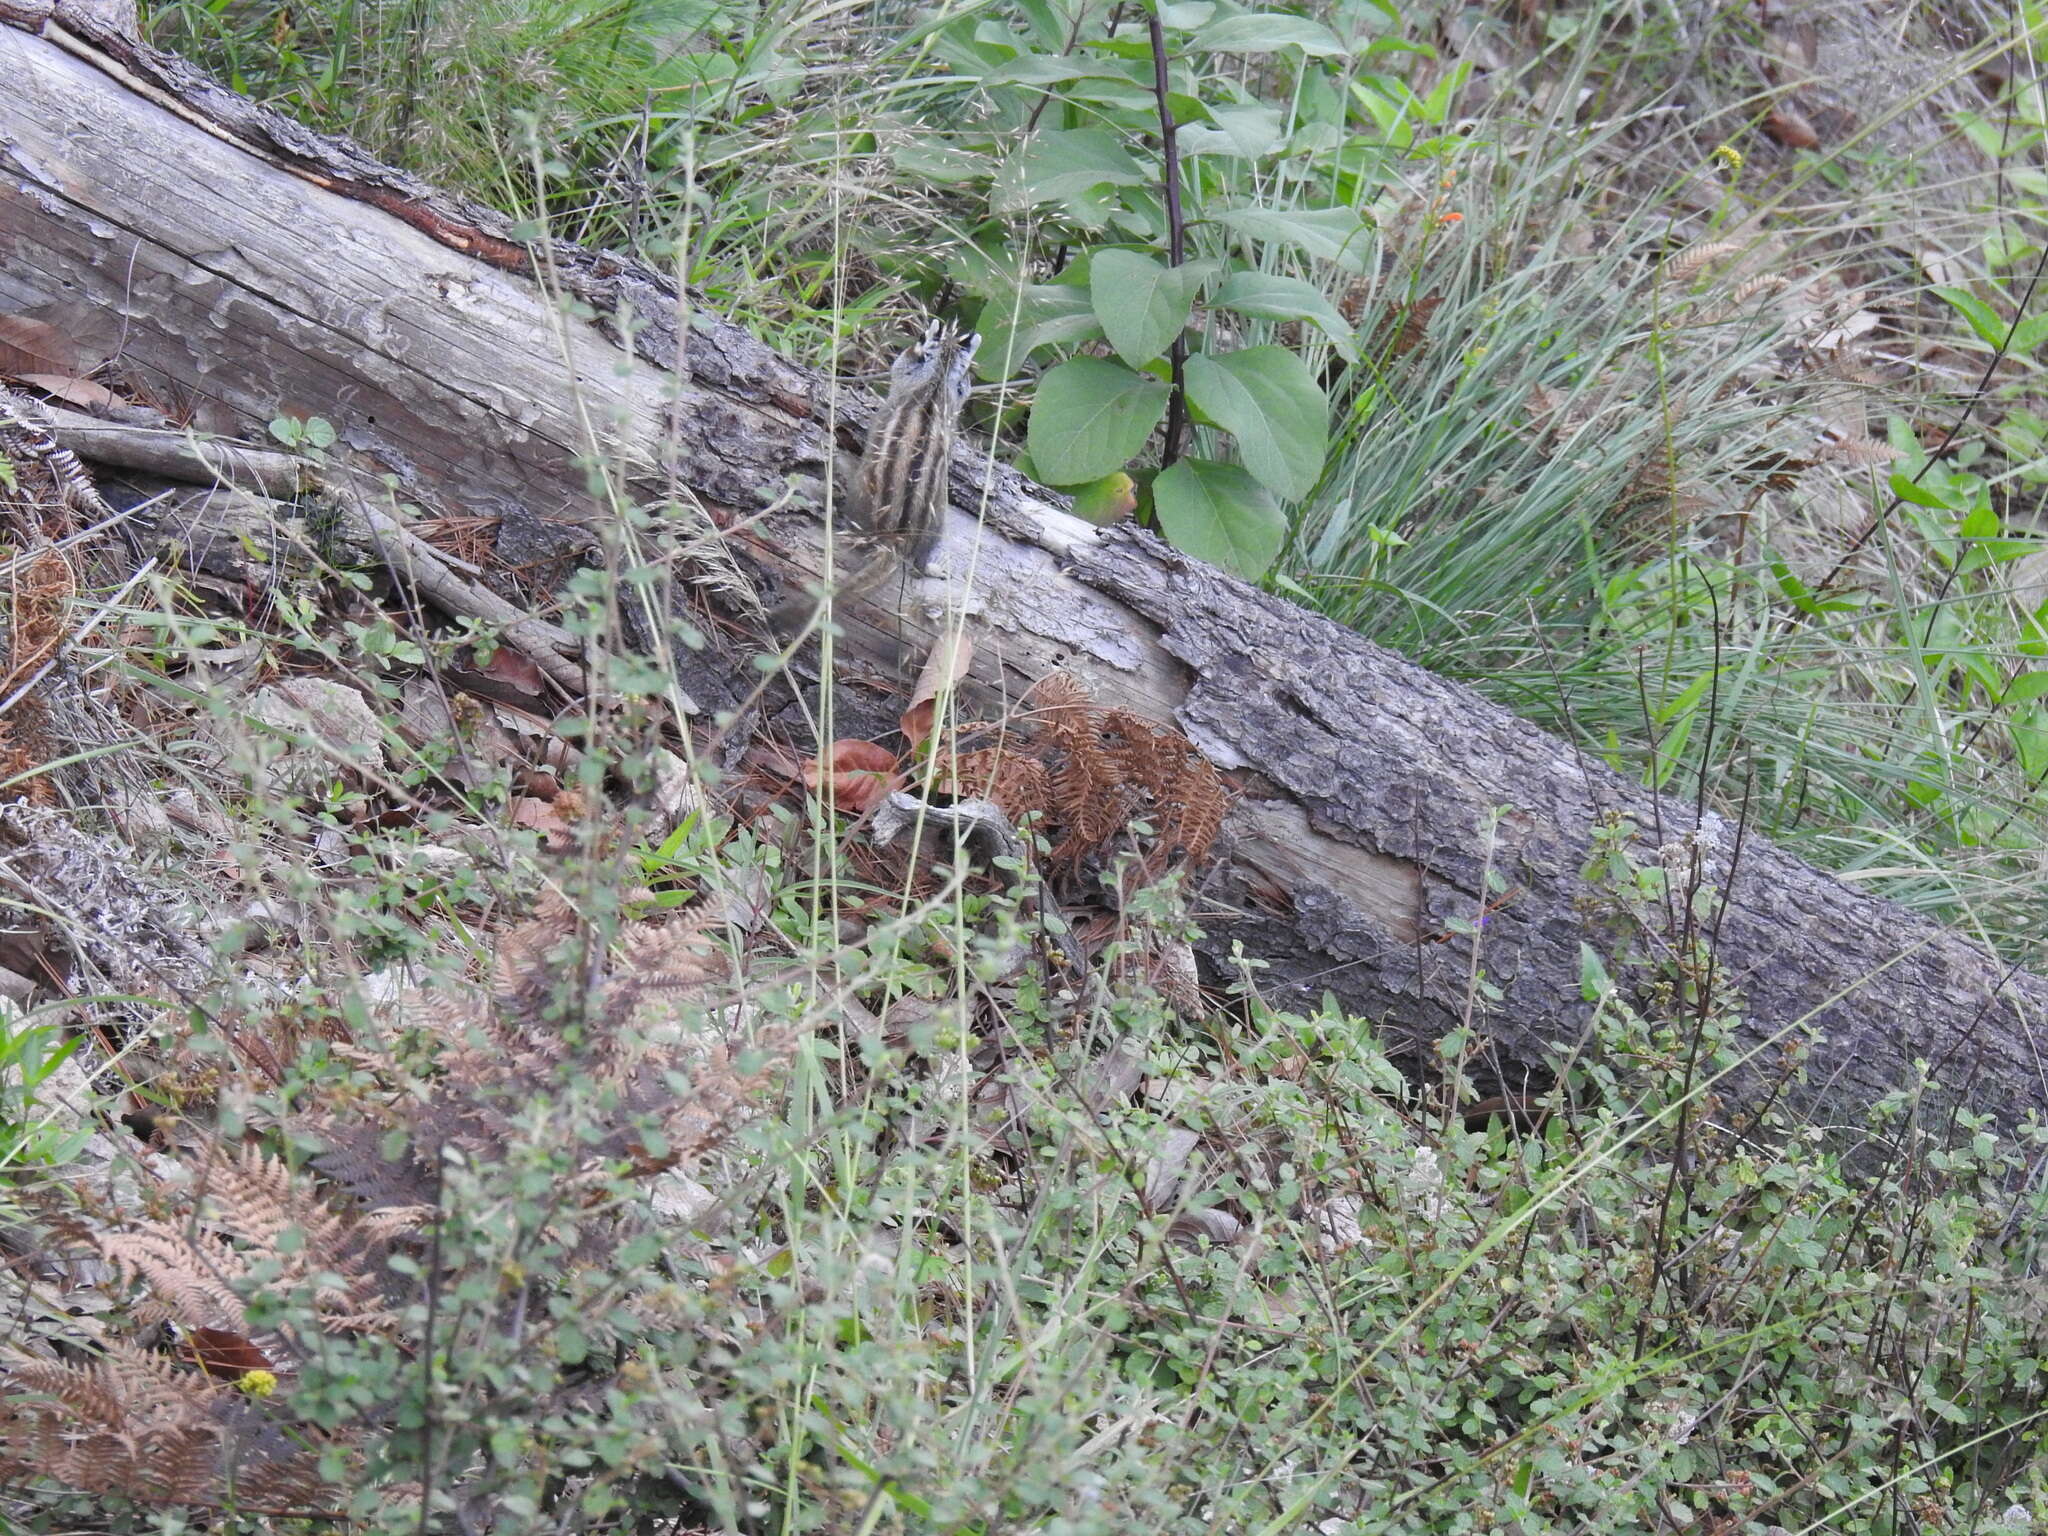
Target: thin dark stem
(1176, 238)
(1073, 37)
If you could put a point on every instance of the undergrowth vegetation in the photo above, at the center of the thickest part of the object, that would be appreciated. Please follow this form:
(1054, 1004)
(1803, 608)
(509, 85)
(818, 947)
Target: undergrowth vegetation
(1700, 435)
(660, 1223)
(555, 1148)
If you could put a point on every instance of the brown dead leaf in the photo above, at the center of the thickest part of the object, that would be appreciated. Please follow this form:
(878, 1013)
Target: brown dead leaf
(80, 393)
(223, 1353)
(35, 346)
(546, 818)
(859, 773)
(947, 664)
(1788, 125)
(520, 671)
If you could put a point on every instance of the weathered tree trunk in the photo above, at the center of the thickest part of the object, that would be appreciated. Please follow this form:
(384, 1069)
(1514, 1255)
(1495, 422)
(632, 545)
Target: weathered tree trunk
(248, 267)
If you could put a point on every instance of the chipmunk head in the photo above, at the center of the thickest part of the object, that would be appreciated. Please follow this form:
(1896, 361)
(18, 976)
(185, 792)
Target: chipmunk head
(939, 359)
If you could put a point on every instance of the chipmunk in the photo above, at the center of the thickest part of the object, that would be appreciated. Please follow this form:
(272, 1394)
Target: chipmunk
(897, 498)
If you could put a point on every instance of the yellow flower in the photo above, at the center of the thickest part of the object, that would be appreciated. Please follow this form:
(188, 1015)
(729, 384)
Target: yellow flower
(1729, 158)
(257, 1383)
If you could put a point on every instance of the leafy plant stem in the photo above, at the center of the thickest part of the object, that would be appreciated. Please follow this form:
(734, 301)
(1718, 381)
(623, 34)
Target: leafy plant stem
(1176, 238)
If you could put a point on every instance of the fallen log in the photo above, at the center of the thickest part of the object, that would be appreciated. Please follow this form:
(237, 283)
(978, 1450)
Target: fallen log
(1387, 821)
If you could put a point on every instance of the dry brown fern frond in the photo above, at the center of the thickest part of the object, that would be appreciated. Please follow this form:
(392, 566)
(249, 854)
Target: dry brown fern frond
(1016, 781)
(1086, 797)
(132, 1424)
(40, 587)
(1401, 328)
(244, 1213)
(1112, 767)
(1857, 450)
(188, 1281)
(1178, 790)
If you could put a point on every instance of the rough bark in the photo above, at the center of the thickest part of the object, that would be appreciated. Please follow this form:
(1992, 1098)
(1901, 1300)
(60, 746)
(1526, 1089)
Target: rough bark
(249, 267)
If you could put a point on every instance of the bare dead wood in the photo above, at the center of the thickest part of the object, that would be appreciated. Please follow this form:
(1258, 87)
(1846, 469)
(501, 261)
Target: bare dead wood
(251, 267)
(180, 455)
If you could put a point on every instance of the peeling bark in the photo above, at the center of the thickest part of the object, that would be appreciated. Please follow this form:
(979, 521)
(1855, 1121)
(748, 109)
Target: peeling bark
(250, 267)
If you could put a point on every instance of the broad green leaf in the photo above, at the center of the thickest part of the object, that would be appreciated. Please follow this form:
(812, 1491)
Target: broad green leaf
(1039, 69)
(1390, 105)
(1186, 17)
(1101, 77)
(1091, 417)
(1063, 166)
(1268, 296)
(691, 72)
(1437, 105)
(1268, 32)
(1245, 132)
(932, 159)
(1982, 317)
(1266, 399)
(1331, 234)
(2026, 688)
(1218, 513)
(1040, 315)
(1141, 303)
(1046, 20)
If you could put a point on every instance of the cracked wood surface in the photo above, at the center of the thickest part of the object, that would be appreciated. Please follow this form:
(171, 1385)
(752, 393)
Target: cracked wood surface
(248, 267)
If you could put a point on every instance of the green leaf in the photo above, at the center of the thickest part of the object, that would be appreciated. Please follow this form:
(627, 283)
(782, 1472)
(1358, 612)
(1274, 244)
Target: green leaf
(2027, 335)
(1329, 234)
(1091, 417)
(1064, 166)
(1268, 296)
(1906, 488)
(932, 159)
(1074, 78)
(1268, 32)
(1044, 69)
(1218, 513)
(1802, 597)
(1266, 399)
(1246, 132)
(1141, 303)
(1982, 317)
(1040, 315)
(1594, 982)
